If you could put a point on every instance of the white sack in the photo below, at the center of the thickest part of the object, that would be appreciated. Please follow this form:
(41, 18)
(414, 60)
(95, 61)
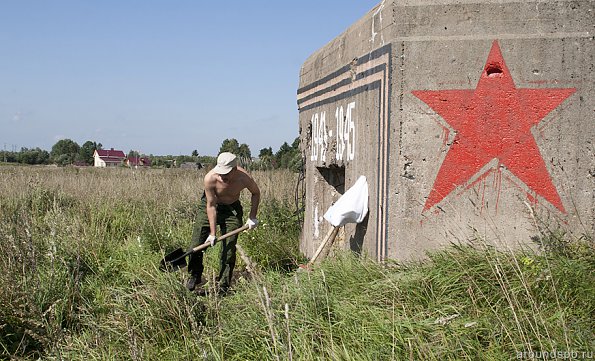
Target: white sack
(351, 207)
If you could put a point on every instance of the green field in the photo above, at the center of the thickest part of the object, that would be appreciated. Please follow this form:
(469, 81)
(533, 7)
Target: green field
(80, 280)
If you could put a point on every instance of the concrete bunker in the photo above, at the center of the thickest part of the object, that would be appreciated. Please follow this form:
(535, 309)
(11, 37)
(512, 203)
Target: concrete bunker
(458, 135)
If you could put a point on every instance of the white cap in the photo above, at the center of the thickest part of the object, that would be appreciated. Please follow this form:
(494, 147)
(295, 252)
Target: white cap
(225, 163)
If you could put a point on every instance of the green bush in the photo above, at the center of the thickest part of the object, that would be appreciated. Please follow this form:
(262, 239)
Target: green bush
(273, 244)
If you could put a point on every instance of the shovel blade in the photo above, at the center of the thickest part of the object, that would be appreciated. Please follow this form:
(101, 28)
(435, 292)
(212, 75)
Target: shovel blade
(173, 261)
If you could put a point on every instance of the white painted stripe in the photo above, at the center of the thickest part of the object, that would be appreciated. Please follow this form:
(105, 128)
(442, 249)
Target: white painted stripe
(345, 88)
(358, 69)
(384, 167)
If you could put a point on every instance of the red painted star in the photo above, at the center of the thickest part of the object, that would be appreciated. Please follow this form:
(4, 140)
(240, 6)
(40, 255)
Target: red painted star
(494, 120)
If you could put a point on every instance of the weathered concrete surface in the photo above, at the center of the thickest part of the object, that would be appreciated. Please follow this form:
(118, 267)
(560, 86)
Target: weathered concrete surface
(470, 119)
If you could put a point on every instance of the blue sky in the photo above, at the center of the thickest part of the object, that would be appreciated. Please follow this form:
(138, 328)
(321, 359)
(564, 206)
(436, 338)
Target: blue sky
(159, 76)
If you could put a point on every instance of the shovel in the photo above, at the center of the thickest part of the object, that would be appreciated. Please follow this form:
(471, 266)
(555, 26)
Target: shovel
(177, 259)
(351, 207)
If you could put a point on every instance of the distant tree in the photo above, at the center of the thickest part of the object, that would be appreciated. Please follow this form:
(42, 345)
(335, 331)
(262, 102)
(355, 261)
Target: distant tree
(295, 161)
(282, 155)
(42, 156)
(289, 156)
(156, 161)
(160, 161)
(33, 156)
(245, 155)
(230, 145)
(265, 152)
(266, 159)
(244, 151)
(195, 153)
(87, 150)
(64, 152)
(241, 150)
(8, 156)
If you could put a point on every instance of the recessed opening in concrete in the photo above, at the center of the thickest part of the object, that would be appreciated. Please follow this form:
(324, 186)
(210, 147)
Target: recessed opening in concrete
(334, 176)
(493, 70)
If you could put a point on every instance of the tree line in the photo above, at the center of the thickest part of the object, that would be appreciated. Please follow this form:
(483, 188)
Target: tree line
(287, 157)
(64, 152)
(68, 152)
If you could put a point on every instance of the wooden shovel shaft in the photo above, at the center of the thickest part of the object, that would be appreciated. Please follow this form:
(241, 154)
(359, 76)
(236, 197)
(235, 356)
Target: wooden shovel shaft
(200, 247)
(328, 239)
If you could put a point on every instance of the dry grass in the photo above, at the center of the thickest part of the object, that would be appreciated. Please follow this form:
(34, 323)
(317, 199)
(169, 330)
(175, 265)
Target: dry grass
(171, 185)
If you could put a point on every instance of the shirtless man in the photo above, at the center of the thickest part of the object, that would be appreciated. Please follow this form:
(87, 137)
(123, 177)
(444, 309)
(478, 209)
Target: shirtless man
(220, 205)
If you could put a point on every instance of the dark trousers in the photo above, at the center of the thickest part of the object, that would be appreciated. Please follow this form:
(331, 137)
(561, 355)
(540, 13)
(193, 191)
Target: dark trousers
(229, 218)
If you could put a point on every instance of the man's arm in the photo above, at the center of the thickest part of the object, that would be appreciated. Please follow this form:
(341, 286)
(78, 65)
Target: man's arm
(255, 198)
(211, 206)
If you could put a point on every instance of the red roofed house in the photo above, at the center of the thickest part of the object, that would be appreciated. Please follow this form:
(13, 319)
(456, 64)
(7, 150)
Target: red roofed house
(136, 161)
(108, 157)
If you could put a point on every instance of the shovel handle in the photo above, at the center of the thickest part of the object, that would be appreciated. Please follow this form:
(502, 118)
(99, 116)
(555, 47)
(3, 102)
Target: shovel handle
(329, 238)
(200, 247)
(204, 245)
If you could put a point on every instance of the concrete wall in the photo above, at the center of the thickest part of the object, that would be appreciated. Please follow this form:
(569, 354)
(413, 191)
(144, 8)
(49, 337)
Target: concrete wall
(468, 118)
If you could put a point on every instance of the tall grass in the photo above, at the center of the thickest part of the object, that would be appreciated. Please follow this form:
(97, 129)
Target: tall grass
(80, 281)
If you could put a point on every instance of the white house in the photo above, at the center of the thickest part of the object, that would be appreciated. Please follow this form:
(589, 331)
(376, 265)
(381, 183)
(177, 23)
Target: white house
(108, 158)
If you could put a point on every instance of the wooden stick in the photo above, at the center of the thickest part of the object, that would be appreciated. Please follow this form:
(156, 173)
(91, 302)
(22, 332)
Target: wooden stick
(328, 239)
(202, 246)
(250, 265)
